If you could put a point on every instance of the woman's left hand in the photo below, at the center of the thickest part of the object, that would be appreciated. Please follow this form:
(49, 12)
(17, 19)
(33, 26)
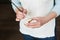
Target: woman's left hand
(40, 21)
(36, 22)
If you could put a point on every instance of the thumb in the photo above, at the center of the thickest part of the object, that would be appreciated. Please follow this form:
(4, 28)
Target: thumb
(17, 19)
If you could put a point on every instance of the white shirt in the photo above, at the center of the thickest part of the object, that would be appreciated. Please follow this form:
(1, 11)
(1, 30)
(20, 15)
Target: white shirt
(38, 8)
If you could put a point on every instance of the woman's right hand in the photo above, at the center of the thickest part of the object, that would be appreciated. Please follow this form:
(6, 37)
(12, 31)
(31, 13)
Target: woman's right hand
(20, 15)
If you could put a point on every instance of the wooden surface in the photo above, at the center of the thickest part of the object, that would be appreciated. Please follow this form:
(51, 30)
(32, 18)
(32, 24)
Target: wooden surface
(9, 28)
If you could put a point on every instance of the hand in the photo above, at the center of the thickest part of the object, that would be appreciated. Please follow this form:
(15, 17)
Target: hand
(40, 21)
(20, 15)
(37, 22)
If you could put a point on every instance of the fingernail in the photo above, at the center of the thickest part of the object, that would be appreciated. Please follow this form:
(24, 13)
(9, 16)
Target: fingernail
(17, 20)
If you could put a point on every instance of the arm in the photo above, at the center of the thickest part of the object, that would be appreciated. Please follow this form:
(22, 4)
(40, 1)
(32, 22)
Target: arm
(20, 14)
(43, 20)
(17, 3)
(56, 8)
(55, 11)
(53, 14)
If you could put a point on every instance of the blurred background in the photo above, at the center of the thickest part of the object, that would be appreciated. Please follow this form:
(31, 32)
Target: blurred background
(9, 28)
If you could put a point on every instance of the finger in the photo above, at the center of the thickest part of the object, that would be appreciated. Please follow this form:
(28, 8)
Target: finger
(28, 24)
(32, 21)
(17, 19)
(25, 11)
(19, 12)
(21, 9)
(20, 15)
(35, 19)
(29, 20)
(31, 24)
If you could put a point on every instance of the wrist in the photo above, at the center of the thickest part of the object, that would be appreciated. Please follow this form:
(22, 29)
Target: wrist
(51, 15)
